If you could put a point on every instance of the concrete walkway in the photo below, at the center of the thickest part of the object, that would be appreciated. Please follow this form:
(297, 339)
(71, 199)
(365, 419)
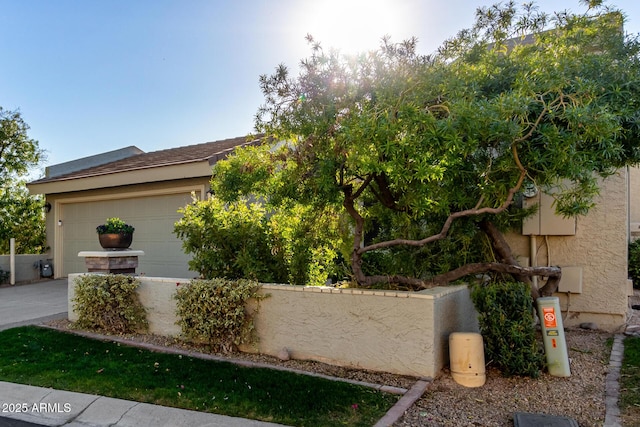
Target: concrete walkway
(37, 406)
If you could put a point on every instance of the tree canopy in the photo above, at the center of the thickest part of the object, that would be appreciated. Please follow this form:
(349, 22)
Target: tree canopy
(22, 218)
(426, 152)
(21, 215)
(18, 152)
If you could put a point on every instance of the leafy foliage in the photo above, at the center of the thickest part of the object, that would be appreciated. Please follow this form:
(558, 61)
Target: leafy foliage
(228, 241)
(109, 302)
(507, 325)
(634, 263)
(215, 311)
(115, 226)
(406, 144)
(21, 218)
(241, 239)
(21, 215)
(18, 152)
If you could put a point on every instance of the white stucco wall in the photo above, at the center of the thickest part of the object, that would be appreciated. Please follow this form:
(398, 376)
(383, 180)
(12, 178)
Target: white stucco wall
(399, 332)
(599, 247)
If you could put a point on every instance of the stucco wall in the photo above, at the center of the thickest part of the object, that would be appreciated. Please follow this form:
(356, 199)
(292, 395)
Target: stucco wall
(599, 247)
(634, 202)
(27, 266)
(399, 332)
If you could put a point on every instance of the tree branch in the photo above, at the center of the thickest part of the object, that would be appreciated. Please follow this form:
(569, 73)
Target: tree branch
(362, 187)
(496, 267)
(449, 221)
(554, 274)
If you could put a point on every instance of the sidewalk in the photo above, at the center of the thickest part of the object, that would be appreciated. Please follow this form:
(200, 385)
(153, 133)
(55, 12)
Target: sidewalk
(37, 406)
(48, 407)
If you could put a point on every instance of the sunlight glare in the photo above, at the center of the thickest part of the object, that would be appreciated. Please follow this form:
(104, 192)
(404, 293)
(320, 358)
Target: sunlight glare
(352, 26)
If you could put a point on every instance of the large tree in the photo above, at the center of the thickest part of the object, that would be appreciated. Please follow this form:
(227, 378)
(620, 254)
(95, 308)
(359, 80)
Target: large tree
(18, 152)
(420, 149)
(21, 215)
(21, 218)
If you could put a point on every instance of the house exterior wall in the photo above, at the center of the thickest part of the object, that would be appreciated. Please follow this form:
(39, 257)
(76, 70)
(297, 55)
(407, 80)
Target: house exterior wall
(151, 208)
(599, 248)
(634, 202)
(390, 331)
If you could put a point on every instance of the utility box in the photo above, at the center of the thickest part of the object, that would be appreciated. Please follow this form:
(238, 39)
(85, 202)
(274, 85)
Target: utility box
(46, 268)
(555, 345)
(571, 280)
(545, 222)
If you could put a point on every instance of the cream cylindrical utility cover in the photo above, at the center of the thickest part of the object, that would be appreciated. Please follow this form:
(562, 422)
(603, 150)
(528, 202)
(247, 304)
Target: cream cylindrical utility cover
(466, 356)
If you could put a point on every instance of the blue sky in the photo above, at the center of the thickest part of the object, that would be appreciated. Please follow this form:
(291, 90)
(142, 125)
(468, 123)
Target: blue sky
(96, 75)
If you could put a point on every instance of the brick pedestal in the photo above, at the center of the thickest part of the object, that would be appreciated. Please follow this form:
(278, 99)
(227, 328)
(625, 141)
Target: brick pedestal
(113, 261)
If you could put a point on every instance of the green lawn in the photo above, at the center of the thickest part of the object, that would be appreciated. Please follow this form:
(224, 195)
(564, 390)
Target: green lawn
(630, 381)
(48, 358)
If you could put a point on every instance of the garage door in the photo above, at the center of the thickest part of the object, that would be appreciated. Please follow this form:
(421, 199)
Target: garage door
(153, 218)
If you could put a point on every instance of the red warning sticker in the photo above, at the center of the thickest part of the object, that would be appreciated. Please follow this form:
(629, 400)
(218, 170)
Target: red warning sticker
(549, 315)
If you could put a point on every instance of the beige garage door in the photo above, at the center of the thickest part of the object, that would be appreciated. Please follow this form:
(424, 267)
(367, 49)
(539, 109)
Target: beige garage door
(153, 218)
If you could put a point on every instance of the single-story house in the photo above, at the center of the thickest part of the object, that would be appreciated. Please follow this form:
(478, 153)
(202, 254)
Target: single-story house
(144, 189)
(147, 189)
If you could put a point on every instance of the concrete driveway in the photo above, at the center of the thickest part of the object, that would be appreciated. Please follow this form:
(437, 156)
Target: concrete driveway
(32, 303)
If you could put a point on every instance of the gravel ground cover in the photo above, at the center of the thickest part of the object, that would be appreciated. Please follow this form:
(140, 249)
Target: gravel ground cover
(580, 396)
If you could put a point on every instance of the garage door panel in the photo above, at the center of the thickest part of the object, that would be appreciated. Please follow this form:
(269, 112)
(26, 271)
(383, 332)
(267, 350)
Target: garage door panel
(153, 218)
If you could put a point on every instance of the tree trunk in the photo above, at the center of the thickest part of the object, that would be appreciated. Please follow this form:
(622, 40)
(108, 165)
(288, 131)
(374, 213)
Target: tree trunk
(356, 256)
(505, 255)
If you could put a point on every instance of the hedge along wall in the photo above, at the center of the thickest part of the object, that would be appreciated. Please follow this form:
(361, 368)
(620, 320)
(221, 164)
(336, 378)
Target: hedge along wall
(399, 332)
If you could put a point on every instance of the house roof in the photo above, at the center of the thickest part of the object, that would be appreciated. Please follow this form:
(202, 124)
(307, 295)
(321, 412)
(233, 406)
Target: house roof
(197, 159)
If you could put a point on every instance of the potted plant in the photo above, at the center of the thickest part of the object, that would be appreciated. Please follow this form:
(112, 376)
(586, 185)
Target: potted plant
(115, 234)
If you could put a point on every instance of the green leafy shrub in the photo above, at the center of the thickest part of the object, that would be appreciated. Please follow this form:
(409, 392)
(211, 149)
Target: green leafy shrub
(229, 240)
(310, 240)
(243, 240)
(109, 302)
(115, 226)
(214, 311)
(507, 325)
(634, 263)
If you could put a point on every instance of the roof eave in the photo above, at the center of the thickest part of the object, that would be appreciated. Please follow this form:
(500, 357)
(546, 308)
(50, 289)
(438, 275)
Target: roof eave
(185, 170)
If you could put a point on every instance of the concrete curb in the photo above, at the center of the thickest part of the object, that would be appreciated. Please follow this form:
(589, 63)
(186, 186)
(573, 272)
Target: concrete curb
(612, 383)
(403, 404)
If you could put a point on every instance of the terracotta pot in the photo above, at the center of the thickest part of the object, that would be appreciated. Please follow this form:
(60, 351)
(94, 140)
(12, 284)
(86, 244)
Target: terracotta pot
(115, 241)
